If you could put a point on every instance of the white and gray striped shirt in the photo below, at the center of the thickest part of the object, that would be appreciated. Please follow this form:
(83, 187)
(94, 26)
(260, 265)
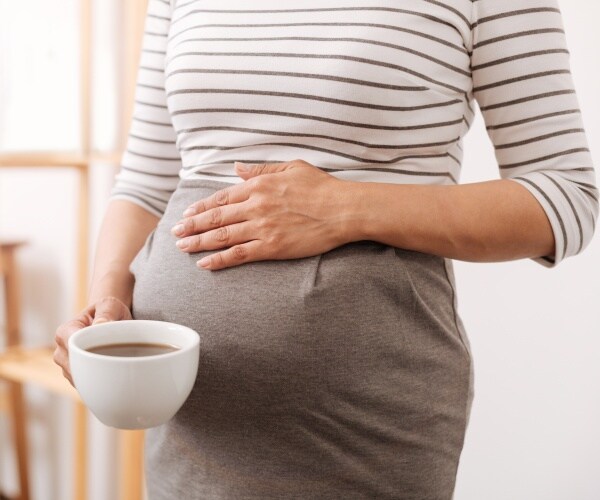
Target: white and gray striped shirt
(368, 90)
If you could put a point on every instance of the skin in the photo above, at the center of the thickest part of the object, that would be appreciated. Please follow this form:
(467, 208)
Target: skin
(292, 210)
(123, 232)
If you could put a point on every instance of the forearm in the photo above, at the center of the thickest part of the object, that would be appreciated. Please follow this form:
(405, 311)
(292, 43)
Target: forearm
(124, 230)
(482, 222)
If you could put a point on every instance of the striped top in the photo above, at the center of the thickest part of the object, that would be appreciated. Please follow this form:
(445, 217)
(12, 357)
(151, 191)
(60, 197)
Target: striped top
(368, 90)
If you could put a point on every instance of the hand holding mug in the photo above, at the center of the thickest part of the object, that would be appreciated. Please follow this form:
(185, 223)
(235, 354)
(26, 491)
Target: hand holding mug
(106, 309)
(134, 374)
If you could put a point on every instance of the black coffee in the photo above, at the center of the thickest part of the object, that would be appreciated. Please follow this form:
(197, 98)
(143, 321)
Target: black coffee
(134, 350)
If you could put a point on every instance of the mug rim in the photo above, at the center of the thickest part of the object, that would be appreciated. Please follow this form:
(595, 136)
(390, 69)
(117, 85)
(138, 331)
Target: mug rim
(129, 359)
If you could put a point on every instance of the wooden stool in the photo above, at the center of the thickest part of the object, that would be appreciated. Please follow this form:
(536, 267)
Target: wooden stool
(19, 365)
(14, 404)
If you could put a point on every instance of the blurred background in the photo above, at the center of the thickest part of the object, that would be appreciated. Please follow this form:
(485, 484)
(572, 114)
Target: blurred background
(67, 73)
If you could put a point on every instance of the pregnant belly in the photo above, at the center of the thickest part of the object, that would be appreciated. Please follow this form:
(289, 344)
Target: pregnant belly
(281, 328)
(356, 348)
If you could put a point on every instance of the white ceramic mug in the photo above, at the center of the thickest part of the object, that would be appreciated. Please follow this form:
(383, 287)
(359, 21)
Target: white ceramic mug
(134, 392)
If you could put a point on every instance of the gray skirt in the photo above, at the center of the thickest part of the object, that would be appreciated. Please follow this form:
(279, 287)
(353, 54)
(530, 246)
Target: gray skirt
(346, 375)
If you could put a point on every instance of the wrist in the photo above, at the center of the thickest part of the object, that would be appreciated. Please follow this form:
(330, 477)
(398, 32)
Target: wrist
(355, 211)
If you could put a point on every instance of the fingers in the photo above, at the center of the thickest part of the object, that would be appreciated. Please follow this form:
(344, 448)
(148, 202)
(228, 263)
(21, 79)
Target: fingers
(221, 237)
(61, 338)
(210, 220)
(106, 309)
(234, 256)
(61, 358)
(241, 192)
(67, 329)
(234, 194)
(246, 171)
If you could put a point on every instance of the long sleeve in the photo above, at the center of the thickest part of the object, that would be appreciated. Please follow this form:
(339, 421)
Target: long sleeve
(150, 166)
(523, 85)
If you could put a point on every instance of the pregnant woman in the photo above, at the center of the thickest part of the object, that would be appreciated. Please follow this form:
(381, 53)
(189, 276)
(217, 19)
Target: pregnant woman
(290, 191)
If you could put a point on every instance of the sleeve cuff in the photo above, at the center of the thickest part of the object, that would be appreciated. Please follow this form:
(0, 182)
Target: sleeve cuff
(558, 213)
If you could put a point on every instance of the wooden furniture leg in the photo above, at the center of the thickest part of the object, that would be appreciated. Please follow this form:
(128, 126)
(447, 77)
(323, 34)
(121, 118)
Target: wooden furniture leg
(19, 422)
(132, 465)
(80, 451)
(12, 293)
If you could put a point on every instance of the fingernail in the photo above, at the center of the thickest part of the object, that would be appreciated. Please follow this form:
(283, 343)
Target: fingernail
(241, 166)
(204, 262)
(99, 320)
(178, 229)
(182, 243)
(188, 211)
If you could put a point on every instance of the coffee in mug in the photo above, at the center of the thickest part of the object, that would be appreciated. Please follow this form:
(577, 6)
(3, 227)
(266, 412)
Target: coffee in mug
(134, 374)
(132, 349)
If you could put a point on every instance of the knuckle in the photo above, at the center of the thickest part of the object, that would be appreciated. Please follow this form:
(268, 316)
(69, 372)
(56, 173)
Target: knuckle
(85, 319)
(222, 197)
(62, 334)
(261, 204)
(263, 224)
(252, 209)
(276, 243)
(195, 242)
(222, 234)
(239, 252)
(259, 168)
(84, 314)
(258, 183)
(58, 340)
(216, 216)
(218, 260)
(189, 225)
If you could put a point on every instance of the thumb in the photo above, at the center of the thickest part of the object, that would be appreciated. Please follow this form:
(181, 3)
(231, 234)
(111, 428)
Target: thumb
(107, 310)
(246, 170)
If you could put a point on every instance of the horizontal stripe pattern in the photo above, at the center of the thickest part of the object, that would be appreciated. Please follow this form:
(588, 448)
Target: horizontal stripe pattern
(523, 85)
(370, 91)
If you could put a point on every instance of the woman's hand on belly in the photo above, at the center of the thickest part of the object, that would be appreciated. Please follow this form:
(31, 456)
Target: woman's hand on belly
(282, 211)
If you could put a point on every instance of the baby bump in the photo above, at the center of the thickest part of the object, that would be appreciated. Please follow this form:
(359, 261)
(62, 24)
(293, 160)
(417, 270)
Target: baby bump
(355, 348)
(288, 325)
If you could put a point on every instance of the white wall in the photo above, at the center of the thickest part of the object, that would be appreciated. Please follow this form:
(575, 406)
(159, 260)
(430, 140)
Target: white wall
(535, 337)
(38, 110)
(534, 332)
